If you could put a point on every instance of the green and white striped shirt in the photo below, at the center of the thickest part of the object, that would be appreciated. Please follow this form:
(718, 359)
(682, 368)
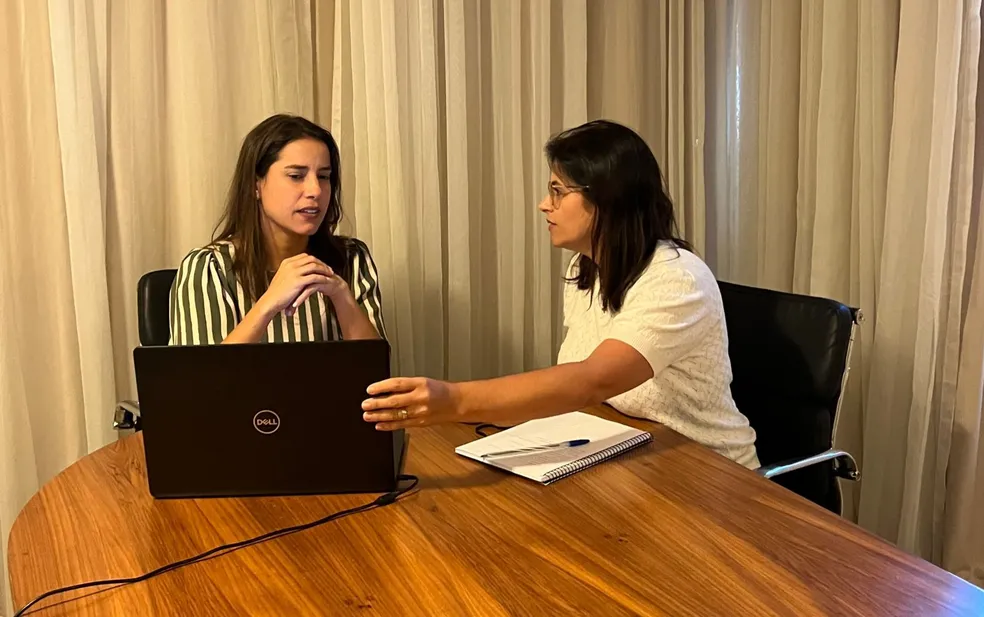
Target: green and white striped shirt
(207, 302)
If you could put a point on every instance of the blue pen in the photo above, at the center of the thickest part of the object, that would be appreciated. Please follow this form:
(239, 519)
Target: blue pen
(573, 443)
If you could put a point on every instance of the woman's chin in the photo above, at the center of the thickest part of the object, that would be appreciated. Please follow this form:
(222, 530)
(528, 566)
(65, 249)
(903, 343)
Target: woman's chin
(555, 239)
(306, 229)
(558, 242)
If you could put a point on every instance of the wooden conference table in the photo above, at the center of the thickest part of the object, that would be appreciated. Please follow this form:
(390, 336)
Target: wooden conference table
(668, 529)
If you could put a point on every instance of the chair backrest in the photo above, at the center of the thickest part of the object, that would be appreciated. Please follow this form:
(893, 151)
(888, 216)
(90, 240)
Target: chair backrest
(789, 355)
(153, 302)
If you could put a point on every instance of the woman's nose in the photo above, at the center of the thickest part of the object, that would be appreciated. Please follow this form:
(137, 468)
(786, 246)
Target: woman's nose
(313, 187)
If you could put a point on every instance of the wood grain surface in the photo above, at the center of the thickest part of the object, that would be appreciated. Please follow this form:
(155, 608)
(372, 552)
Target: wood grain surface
(668, 529)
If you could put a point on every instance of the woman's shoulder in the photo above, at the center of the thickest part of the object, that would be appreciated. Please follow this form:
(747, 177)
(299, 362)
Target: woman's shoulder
(353, 246)
(217, 253)
(356, 251)
(673, 271)
(361, 266)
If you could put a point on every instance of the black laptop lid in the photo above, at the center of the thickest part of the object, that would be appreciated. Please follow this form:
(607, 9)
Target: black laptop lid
(264, 419)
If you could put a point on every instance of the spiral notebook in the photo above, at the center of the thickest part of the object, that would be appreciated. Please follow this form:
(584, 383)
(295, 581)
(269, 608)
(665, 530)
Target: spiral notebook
(606, 440)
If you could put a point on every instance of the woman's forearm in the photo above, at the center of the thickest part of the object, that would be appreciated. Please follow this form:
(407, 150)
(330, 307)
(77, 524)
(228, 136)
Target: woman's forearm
(526, 396)
(352, 319)
(612, 369)
(252, 327)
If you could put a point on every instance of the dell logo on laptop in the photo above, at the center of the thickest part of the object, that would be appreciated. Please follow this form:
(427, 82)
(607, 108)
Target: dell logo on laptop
(266, 421)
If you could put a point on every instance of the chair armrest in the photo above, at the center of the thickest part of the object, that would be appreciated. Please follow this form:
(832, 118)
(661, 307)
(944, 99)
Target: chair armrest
(844, 465)
(127, 416)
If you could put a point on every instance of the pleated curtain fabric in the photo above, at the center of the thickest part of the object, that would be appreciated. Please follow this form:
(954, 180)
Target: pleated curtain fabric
(821, 147)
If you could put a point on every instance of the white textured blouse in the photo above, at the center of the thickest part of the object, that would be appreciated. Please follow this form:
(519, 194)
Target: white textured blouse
(673, 316)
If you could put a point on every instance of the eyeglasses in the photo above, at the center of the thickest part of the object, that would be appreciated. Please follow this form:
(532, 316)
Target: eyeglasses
(557, 192)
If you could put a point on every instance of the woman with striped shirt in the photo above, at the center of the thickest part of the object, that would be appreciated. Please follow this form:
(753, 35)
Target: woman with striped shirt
(276, 271)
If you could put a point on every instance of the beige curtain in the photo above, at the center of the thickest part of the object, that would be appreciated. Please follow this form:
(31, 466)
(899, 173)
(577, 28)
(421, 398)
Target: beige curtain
(800, 94)
(846, 163)
(121, 122)
(119, 127)
(827, 147)
(442, 109)
(56, 364)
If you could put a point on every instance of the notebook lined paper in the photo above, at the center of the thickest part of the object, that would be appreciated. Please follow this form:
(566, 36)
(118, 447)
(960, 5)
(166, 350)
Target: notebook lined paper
(607, 440)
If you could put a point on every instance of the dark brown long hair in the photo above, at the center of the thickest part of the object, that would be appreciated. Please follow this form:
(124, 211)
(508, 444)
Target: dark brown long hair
(618, 174)
(240, 223)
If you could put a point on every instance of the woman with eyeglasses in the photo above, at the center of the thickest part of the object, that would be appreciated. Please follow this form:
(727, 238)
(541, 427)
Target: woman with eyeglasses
(645, 322)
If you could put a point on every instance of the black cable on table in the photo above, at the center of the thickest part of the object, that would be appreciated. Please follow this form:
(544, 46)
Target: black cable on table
(381, 501)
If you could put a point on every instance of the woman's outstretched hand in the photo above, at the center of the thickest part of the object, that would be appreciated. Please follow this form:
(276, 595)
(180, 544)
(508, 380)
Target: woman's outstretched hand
(404, 402)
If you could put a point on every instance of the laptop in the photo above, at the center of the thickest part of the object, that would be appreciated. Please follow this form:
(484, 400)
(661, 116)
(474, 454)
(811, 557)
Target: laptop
(264, 419)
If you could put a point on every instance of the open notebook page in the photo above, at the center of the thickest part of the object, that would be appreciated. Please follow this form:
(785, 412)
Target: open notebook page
(604, 434)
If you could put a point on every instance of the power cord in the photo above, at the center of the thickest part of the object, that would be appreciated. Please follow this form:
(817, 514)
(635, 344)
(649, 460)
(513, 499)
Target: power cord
(381, 501)
(482, 429)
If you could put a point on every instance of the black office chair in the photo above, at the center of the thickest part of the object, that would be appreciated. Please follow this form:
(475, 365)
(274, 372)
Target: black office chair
(153, 301)
(154, 326)
(791, 357)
